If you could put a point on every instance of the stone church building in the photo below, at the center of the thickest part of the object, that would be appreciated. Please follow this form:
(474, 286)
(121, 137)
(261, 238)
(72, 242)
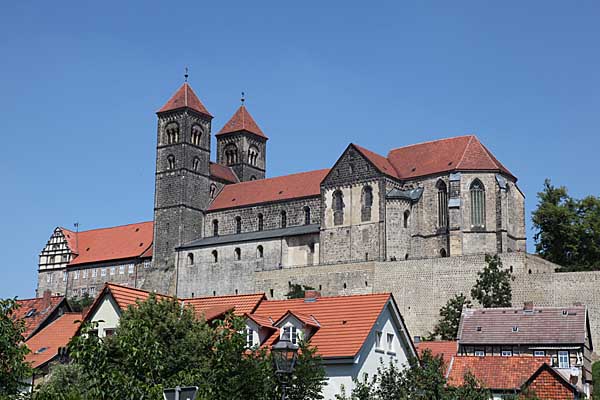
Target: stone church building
(444, 198)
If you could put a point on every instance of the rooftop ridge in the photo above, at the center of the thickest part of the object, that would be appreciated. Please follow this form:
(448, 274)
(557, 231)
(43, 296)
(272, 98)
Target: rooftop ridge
(431, 141)
(223, 296)
(301, 300)
(108, 227)
(254, 182)
(40, 298)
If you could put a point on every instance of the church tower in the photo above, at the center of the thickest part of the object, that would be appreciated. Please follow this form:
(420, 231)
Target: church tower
(182, 174)
(242, 145)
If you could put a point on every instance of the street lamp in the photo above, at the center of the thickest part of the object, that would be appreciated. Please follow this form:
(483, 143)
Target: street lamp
(285, 355)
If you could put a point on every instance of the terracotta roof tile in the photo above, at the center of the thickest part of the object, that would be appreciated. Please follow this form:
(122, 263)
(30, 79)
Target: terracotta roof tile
(380, 162)
(241, 304)
(223, 173)
(119, 242)
(494, 372)
(185, 97)
(304, 184)
(445, 348)
(45, 344)
(241, 121)
(39, 310)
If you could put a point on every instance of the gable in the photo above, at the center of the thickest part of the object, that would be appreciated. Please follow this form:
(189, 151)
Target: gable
(352, 166)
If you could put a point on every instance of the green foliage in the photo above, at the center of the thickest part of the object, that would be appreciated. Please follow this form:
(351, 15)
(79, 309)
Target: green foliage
(596, 378)
(308, 378)
(297, 291)
(78, 304)
(13, 368)
(492, 288)
(64, 382)
(567, 229)
(447, 326)
(161, 344)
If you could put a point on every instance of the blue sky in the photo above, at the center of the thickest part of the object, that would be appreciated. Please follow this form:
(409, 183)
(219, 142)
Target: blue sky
(80, 83)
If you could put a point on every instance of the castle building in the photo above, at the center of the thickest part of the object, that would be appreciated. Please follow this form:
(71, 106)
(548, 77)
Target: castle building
(448, 197)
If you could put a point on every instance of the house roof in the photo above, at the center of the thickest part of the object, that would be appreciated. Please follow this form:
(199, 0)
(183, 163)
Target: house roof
(223, 173)
(45, 344)
(241, 121)
(304, 184)
(380, 162)
(241, 304)
(494, 372)
(345, 321)
(34, 312)
(104, 244)
(544, 325)
(184, 97)
(445, 348)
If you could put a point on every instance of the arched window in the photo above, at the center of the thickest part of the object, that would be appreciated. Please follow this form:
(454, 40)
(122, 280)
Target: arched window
(231, 154)
(196, 134)
(259, 252)
(215, 224)
(338, 207)
(306, 215)
(238, 225)
(406, 218)
(260, 222)
(172, 133)
(190, 258)
(443, 253)
(252, 178)
(477, 204)
(196, 164)
(213, 190)
(442, 204)
(215, 255)
(238, 253)
(252, 155)
(366, 201)
(283, 219)
(171, 162)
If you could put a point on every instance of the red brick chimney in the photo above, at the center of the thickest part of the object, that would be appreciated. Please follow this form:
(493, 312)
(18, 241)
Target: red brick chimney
(46, 299)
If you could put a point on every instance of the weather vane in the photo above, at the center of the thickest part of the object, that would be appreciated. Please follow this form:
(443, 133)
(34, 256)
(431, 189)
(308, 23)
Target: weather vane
(243, 99)
(186, 74)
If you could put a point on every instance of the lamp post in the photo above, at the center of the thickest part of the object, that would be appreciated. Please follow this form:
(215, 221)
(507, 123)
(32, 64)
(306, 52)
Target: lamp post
(285, 355)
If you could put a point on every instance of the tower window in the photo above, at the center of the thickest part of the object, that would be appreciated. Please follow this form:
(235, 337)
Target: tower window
(283, 219)
(443, 253)
(215, 224)
(442, 204)
(406, 218)
(366, 203)
(190, 259)
(172, 133)
(196, 164)
(196, 134)
(213, 190)
(238, 225)
(231, 154)
(306, 215)
(260, 222)
(338, 207)
(238, 253)
(477, 204)
(259, 252)
(171, 162)
(215, 255)
(253, 155)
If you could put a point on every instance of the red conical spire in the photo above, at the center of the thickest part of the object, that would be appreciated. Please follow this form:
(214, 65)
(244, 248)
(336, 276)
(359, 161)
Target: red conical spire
(242, 121)
(185, 97)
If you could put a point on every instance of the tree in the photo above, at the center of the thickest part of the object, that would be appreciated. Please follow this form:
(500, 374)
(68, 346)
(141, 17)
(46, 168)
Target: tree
(492, 288)
(64, 382)
(297, 291)
(567, 229)
(78, 304)
(14, 371)
(447, 326)
(596, 377)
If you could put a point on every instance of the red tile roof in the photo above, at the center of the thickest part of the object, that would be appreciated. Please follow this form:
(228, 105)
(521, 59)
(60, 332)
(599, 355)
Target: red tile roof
(43, 306)
(494, 372)
(119, 242)
(242, 121)
(241, 304)
(380, 162)
(345, 321)
(304, 184)
(545, 325)
(45, 344)
(222, 172)
(445, 348)
(185, 97)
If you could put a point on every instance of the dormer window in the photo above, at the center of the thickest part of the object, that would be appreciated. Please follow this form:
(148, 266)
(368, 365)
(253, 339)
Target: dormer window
(291, 332)
(515, 329)
(250, 338)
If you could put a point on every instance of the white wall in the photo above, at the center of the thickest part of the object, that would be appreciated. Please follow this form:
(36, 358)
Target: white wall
(108, 313)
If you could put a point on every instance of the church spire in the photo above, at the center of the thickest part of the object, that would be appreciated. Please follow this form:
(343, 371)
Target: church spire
(242, 121)
(185, 97)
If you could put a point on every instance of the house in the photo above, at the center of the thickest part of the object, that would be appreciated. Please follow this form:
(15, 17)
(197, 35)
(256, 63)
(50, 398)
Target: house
(507, 377)
(559, 335)
(352, 334)
(39, 312)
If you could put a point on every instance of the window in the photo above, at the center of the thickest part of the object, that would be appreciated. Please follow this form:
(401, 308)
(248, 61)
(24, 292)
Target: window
(306, 215)
(515, 329)
(172, 131)
(539, 353)
(231, 154)
(259, 252)
(131, 268)
(507, 353)
(479, 353)
(213, 190)
(49, 278)
(283, 219)
(92, 291)
(215, 225)
(366, 203)
(94, 273)
(215, 255)
(121, 269)
(65, 258)
(443, 253)
(477, 204)
(563, 359)
(260, 222)
(252, 177)
(442, 204)
(112, 270)
(196, 164)
(406, 218)
(338, 207)
(378, 340)
(196, 134)
(292, 333)
(76, 275)
(190, 259)
(103, 272)
(252, 155)
(238, 225)
(249, 337)
(171, 162)
(147, 263)
(84, 274)
(238, 253)
(51, 260)
(390, 342)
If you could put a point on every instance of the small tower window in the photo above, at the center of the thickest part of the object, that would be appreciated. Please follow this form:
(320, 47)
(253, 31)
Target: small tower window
(477, 204)
(215, 224)
(190, 258)
(260, 222)
(283, 219)
(306, 215)
(253, 155)
(196, 134)
(442, 204)
(238, 225)
(213, 190)
(172, 133)
(231, 154)
(238, 253)
(196, 164)
(259, 252)
(443, 253)
(366, 203)
(215, 255)
(338, 207)
(171, 162)
(406, 218)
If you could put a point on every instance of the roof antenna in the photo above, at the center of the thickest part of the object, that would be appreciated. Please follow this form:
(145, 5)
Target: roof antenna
(186, 74)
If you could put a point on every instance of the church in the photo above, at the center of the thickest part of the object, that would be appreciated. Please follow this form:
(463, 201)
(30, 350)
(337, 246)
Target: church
(222, 217)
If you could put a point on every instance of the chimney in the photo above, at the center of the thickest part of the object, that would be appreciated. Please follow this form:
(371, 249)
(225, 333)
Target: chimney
(46, 299)
(528, 306)
(311, 296)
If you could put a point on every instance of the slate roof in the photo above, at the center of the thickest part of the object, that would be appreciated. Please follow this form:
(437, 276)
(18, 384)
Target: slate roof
(544, 325)
(45, 344)
(184, 97)
(104, 244)
(38, 309)
(241, 121)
